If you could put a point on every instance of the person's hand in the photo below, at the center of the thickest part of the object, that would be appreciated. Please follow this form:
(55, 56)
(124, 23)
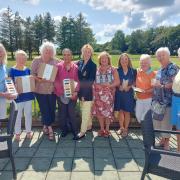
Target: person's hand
(9, 96)
(82, 99)
(127, 88)
(121, 88)
(157, 84)
(74, 96)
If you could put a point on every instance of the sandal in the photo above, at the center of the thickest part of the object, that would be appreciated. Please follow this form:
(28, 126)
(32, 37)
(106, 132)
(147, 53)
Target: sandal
(101, 133)
(120, 131)
(29, 135)
(107, 133)
(45, 131)
(125, 133)
(51, 136)
(17, 137)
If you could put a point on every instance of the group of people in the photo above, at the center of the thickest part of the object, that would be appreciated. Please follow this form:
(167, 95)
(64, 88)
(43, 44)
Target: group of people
(101, 90)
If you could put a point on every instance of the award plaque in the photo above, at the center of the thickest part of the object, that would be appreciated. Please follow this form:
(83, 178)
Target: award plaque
(10, 87)
(69, 87)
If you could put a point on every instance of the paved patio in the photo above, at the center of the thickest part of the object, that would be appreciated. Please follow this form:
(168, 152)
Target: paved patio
(93, 158)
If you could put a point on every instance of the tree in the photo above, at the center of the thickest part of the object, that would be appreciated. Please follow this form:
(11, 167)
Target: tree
(29, 36)
(49, 27)
(38, 28)
(6, 30)
(118, 41)
(17, 31)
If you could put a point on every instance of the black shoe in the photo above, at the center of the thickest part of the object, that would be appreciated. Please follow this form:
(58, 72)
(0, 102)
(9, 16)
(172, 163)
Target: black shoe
(76, 137)
(64, 134)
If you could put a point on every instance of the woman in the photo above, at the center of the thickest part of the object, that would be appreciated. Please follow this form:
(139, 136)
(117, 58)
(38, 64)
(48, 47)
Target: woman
(124, 97)
(163, 92)
(144, 79)
(67, 70)
(45, 88)
(24, 100)
(104, 88)
(3, 74)
(86, 75)
(175, 110)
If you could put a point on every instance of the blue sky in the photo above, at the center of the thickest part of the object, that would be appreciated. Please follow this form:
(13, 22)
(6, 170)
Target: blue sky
(104, 16)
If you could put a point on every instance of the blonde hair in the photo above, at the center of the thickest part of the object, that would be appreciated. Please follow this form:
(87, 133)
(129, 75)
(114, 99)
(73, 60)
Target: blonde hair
(129, 60)
(48, 45)
(146, 56)
(20, 52)
(86, 46)
(104, 53)
(5, 53)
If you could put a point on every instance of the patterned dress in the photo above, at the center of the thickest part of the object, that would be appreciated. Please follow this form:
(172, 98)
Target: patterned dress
(103, 105)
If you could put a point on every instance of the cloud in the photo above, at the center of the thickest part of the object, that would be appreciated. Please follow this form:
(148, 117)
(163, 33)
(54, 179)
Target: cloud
(33, 2)
(139, 13)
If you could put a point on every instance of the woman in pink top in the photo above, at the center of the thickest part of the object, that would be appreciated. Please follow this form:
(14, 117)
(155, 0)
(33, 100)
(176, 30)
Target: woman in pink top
(67, 72)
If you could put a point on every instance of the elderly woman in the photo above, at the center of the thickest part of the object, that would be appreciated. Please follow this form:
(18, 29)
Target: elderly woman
(175, 110)
(162, 95)
(3, 74)
(24, 100)
(86, 75)
(144, 90)
(67, 70)
(107, 80)
(45, 88)
(124, 97)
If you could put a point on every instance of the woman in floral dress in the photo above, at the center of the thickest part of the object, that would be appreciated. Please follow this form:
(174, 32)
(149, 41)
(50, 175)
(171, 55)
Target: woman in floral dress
(104, 88)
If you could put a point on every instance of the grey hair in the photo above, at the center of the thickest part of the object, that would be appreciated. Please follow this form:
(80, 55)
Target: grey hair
(145, 56)
(66, 49)
(5, 53)
(163, 49)
(178, 52)
(48, 45)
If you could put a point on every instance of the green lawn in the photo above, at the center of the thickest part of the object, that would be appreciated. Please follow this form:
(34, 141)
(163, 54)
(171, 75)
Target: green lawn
(134, 58)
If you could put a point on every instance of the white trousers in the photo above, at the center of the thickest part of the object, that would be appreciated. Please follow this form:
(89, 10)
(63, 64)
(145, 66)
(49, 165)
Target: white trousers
(27, 107)
(142, 106)
(86, 115)
(2, 108)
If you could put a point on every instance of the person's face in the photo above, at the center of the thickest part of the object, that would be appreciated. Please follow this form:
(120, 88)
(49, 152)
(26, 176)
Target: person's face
(145, 65)
(104, 60)
(21, 59)
(124, 61)
(163, 58)
(67, 56)
(48, 53)
(2, 55)
(87, 54)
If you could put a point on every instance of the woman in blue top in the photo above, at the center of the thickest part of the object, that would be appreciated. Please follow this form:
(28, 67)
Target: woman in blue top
(124, 96)
(24, 100)
(3, 74)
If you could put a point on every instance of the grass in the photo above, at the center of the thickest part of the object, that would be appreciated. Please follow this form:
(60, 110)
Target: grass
(135, 63)
(134, 58)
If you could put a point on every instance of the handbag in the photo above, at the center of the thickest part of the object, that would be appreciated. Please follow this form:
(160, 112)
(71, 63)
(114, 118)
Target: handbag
(158, 110)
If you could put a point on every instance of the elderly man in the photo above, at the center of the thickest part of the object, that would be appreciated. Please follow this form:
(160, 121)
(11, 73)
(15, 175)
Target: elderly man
(144, 77)
(162, 96)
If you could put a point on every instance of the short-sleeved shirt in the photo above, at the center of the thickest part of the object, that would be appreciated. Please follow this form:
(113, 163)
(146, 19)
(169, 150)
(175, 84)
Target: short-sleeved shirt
(165, 76)
(13, 73)
(42, 87)
(143, 81)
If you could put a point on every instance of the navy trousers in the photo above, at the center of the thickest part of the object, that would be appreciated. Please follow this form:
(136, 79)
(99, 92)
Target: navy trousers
(47, 105)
